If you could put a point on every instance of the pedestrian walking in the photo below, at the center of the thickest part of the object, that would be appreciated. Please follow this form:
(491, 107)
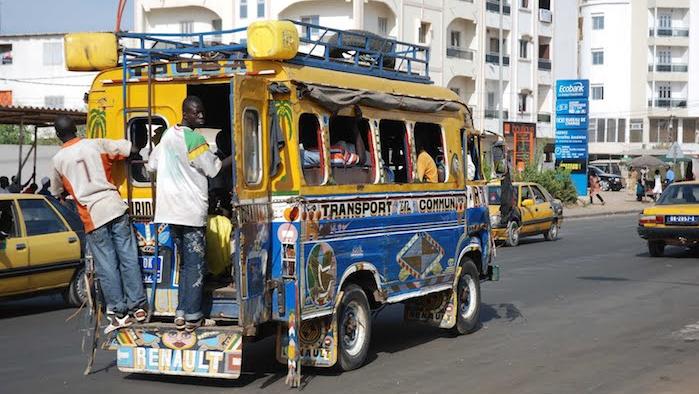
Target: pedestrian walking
(631, 181)
(83, 169)
(183, 163)
(595, 188)
(657, 185)
(640, 190)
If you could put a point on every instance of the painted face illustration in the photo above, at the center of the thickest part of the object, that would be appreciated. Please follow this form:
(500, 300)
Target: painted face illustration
(179, 340)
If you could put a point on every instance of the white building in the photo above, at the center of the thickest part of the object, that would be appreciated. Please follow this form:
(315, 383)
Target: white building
(463, 36)
(33, 73)
(640, 57)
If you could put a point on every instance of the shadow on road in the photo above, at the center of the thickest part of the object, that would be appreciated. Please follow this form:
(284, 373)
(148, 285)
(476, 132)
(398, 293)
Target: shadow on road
(30, 306)
(508, 312)
(618, 279)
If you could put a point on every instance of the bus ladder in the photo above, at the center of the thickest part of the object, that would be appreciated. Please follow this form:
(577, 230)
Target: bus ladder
(127, 110)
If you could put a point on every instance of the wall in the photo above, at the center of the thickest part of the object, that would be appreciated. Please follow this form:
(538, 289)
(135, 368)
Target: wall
(9, 161)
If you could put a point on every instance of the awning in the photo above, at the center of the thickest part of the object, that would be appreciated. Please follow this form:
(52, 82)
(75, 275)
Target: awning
(36, 116)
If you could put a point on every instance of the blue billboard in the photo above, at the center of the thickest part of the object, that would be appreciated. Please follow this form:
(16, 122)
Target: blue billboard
(572, 108)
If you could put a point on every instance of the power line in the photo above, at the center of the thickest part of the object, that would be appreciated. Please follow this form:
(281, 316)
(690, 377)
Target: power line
(31, 82)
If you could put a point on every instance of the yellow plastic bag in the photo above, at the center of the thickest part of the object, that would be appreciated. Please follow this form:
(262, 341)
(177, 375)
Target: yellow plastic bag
(218, 244)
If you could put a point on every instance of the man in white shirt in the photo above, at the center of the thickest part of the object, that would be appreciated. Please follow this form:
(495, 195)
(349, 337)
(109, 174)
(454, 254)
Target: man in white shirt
(183, 163)
(83, 168)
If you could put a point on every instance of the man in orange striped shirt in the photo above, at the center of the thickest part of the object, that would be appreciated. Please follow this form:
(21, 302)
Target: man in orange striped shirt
(83, 168)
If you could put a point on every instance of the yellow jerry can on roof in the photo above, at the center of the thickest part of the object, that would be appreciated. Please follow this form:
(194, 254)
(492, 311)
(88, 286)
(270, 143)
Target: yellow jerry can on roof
(273, 40)
(90, 51)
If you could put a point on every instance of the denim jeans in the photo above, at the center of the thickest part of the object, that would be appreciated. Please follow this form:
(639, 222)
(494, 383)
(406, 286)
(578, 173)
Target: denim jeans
(191, 244)
(115, 253)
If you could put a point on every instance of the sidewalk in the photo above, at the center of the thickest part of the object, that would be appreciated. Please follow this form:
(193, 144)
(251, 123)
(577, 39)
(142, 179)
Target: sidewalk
(616, 203)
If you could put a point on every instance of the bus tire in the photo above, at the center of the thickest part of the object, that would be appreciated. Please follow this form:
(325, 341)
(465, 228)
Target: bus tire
(76, 293)
(357, 41)
(354, 328)
(468, 298)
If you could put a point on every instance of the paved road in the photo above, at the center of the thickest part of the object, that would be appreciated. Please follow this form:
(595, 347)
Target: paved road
(590, 312)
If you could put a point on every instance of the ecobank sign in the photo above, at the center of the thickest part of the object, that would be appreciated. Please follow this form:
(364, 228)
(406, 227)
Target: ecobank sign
(572, 88)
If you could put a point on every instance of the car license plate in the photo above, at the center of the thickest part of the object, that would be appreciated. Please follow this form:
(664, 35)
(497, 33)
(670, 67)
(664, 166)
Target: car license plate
(681, 220)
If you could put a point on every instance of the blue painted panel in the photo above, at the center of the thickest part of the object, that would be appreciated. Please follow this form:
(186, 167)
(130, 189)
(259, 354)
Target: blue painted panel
(572, 88)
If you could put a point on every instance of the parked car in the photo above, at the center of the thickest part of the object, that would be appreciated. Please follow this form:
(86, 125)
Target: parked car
(608, 166)
(41, 248)
(673, 220)
(607, 181)
(536, 212)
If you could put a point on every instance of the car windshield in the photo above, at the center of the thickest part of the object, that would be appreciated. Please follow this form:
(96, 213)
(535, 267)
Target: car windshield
(494, 195)
(680, 194)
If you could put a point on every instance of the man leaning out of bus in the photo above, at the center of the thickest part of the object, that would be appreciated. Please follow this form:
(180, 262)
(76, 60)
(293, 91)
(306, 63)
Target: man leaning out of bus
(82, 168)
(183, 163)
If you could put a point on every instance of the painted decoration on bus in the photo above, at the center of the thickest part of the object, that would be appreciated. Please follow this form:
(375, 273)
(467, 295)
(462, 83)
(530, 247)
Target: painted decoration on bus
(321, 275)
(420, 257)
(317, 343)
(208, 352)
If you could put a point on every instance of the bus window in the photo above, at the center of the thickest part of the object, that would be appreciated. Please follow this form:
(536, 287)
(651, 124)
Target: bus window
(351, 161)
(310, 148)
(139, 134)
(252, 147)
(428, 137)
(394, 151)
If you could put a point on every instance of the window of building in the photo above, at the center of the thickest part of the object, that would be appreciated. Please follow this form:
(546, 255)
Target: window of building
(597, 22)
(601, 130)
(494, 45)
(40, 218)
(243, 9)
(523, 45)
(455, 41)
(260, 8)
(597, 92)
(621, 131)
(186, 27)
(636, 130)
(351, 161)
(140, 134)
(5, 54)
(592, 130)
(53, 53)
(54, 101)
(689, 131)
(252, 147)
(428, 137)
(611, 130)
(524, 3)
(491, 100)
(597, 56)
(310, 32)
(311, 151)
(423, 33)
(664, 91)
(383, 26)
(522, 102)
(664, 56)
(397, 165)
(545, 4)
(665, 21)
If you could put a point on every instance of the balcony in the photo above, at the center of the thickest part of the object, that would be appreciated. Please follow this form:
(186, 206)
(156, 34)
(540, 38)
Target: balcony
(545, 16)
(460, 53)
(665, 68)
(545, 64)
(493, 58)
(494, 114)
(669, 32)
(494, 6)
(668, 103)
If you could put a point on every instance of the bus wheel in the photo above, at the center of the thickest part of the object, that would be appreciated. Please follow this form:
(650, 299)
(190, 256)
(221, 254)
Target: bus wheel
(468, 294)
(354, 323)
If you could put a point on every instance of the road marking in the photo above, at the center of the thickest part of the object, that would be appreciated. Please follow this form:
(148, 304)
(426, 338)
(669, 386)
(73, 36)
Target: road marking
(689, 333)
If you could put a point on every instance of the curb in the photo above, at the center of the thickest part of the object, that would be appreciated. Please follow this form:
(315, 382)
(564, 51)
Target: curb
(599, 214)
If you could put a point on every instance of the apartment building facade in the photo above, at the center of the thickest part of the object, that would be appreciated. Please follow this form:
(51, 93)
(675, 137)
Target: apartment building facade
(33, 73)
(641, 57)
(464, 37)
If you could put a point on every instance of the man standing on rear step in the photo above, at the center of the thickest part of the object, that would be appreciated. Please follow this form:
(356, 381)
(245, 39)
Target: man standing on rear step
(83, 169)
(183, 163)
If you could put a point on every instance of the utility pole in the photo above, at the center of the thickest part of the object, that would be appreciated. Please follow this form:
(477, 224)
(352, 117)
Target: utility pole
(500, 64)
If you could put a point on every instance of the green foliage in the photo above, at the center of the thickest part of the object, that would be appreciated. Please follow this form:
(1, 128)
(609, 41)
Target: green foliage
(556, 181)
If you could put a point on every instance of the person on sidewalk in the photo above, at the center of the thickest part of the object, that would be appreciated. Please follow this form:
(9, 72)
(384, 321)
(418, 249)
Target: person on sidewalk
(595, 188)
(640, 190)
(632, 180)
(657, 186)
(83, 169)
(183, 163)
(669, 176)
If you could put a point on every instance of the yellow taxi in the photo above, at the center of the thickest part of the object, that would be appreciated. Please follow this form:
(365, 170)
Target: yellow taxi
(673, 220)
(40, 247)
(535, 212)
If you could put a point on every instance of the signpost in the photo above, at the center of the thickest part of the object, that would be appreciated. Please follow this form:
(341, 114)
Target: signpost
(571, 129)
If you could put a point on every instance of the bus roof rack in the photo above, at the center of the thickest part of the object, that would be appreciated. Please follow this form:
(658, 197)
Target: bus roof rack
(352, 51)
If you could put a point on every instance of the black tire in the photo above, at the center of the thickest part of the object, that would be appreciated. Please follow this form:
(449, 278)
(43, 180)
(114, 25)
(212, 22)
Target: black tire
(513, 233)
(76, 293)
(552, 234)
(656, 248)
(468, 296)
(376, 43)
(354, 328)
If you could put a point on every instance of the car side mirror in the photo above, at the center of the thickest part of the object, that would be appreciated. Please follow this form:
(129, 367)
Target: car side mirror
(528, 202)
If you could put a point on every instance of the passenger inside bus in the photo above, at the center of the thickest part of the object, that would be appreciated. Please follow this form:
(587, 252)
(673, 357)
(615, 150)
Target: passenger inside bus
(429, 146)
(350, 161)
(392, 138)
